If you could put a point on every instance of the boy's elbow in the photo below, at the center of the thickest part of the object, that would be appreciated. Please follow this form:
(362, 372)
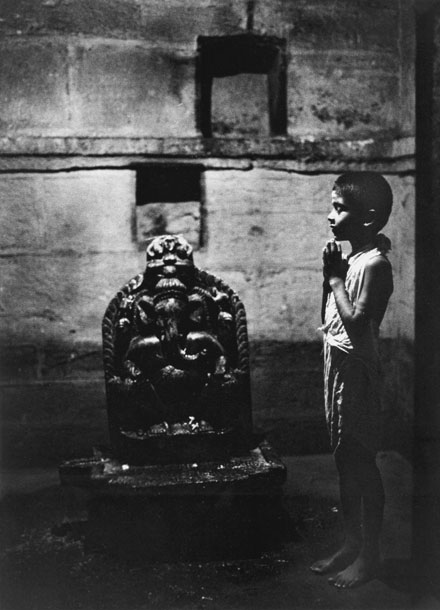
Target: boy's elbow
(358, 325)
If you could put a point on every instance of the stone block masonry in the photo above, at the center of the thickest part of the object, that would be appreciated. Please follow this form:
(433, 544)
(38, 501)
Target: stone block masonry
(69, 242)
(96, 95)
(130, 89)
(34, 95)
(270, 227)
(128, 69)
(81, 212)
(92, 88)
(63, 237)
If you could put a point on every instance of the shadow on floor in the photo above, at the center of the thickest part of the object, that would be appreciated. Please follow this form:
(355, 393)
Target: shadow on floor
(44, 566)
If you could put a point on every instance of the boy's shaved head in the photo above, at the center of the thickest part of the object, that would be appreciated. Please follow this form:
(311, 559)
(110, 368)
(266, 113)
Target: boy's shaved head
(367, 190)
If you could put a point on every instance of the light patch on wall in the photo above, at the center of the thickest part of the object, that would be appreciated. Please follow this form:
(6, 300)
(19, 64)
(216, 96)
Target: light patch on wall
(168, 201)
(239, 105)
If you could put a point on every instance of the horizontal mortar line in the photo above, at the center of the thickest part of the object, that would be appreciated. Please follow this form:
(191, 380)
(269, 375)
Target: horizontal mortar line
(354, 74)
(41, 383)
(71, 361)
(174, 141)
(380, 51)
(343, 167)
(188, 48)
(76, 253)
(319, 157)
(86, 39)
(240, 164)
(302, 163)
(401, 165)
(407, 162)
(297, 166)
(201, 158)
(315, 370)
(274, 138)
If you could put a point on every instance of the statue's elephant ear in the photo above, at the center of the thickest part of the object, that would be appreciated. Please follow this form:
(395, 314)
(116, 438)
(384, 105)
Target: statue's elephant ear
(144, 312)
(205, 308)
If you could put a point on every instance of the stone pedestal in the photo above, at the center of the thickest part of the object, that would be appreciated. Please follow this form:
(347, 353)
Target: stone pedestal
(185, 478)
(182, 512)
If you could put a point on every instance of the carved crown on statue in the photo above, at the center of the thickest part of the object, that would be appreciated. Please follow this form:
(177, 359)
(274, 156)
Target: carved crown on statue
(176, 362)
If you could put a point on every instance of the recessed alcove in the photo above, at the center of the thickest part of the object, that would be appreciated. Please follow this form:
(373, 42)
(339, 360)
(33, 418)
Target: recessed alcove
(241, 86)
(239, 106)
(168, 200)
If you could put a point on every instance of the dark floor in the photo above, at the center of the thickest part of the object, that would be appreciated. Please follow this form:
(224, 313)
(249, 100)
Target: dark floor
(44, 566)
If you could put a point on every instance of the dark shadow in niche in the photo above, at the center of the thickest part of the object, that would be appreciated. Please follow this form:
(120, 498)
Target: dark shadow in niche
(225, 56)
(169, 200)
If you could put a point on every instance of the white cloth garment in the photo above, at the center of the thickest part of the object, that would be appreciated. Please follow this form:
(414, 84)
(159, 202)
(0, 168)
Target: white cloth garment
(352, 367)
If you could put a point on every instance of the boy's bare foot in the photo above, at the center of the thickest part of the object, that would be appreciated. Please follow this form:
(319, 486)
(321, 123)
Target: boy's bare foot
(359, 572)
(341, 559)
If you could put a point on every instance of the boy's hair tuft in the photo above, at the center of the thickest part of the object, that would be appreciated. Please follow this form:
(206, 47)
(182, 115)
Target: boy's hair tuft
(369, 190)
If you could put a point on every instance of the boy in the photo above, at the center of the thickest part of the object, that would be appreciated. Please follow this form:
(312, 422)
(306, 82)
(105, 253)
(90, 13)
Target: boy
(356, 294)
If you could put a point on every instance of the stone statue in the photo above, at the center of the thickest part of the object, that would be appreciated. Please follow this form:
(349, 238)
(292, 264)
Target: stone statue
(175, 358)
(185, 477)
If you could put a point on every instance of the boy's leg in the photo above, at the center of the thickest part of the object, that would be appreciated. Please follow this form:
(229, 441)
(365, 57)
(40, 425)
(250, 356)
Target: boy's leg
(350, 496)
(367, 563)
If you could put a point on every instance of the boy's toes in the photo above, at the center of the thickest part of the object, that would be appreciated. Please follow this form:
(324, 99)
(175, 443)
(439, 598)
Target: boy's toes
(319, 567)
(355, 575)
(342, 558)
(340, 582)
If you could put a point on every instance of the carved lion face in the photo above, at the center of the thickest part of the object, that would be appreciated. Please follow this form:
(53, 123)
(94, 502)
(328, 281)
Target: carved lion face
(169, 256)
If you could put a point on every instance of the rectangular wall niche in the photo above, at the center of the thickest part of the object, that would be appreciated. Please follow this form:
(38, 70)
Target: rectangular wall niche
(241, 86)
(168, 201)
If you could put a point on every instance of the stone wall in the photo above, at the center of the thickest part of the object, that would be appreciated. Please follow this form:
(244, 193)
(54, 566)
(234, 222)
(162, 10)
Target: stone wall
(98, 97)
(128, 69)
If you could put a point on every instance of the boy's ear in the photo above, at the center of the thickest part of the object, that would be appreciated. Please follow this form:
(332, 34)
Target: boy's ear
(370, 217)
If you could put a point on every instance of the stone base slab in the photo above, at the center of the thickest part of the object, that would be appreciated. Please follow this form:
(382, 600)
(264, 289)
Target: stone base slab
(182, 512)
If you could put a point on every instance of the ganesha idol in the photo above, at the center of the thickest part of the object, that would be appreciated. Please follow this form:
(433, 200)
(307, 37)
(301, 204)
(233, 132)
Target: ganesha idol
(176, 363)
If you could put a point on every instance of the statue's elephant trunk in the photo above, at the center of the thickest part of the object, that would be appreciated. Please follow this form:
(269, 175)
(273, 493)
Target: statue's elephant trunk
(171, 344)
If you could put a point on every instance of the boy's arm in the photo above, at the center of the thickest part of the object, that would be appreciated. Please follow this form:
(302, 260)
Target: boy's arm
(376, 291)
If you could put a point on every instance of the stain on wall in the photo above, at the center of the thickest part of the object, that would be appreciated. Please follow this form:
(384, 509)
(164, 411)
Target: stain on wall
(95, 94)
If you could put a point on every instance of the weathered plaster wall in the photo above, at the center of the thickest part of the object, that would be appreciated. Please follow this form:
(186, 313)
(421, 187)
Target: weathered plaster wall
(69, 244)
(90, 93)
(127, 67)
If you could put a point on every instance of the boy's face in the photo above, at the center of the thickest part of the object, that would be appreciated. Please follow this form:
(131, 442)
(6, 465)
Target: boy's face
(346, 220)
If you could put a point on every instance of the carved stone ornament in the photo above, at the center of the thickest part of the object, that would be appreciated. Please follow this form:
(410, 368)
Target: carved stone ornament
(185, 477)
(176, 362)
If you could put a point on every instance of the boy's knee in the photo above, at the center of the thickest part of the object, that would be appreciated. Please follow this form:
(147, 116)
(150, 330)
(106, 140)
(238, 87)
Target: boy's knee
(350, 453)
